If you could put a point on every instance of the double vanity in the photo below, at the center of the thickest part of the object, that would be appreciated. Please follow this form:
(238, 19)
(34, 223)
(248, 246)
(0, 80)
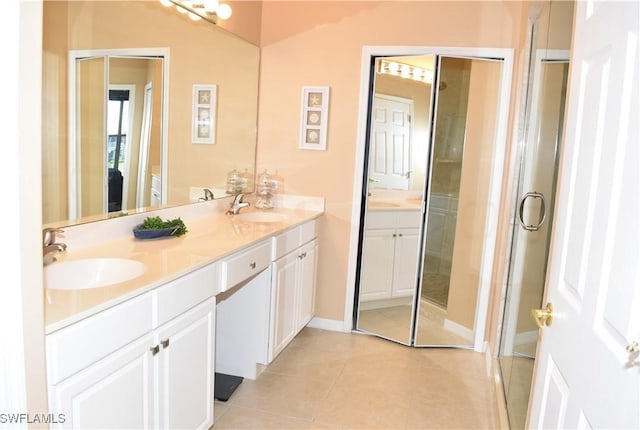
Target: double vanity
(226, 297)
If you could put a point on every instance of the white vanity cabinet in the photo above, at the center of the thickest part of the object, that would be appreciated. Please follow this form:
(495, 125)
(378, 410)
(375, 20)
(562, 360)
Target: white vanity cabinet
(390, 254)
(293, 280)
(145, 363)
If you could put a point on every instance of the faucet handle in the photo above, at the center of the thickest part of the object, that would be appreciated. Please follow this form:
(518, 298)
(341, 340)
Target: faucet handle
(49, 235)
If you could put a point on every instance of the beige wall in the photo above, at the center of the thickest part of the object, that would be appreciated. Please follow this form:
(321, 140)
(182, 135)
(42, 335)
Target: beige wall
(320, 43)
(484, 88)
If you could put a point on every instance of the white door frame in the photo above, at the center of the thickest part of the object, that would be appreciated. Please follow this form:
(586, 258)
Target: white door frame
(143, 147)
(499, 151)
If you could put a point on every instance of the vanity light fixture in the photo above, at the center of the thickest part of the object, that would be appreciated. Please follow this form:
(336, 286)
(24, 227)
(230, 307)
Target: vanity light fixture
(210, 10)
(405, 71)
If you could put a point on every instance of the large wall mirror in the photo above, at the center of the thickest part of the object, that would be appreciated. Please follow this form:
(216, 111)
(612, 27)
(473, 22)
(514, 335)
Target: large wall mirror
(118, 101)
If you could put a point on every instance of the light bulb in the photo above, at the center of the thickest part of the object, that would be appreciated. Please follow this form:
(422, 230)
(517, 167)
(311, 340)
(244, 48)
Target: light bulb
(166, 3)
(224, 11)
(181, 9)
(194, 16)
(211, 6)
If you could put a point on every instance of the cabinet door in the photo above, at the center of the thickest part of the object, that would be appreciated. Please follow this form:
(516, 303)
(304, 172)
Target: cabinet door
(283, 303)
(308, 260)
(114, 393)
(186, 369)
(377, 264)
(405, 271)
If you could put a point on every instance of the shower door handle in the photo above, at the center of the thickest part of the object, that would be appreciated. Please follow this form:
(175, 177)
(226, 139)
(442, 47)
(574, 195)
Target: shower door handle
(543, 211)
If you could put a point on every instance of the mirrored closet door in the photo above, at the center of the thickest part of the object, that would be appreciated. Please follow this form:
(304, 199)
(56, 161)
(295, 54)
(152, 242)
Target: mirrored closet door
(432, 128)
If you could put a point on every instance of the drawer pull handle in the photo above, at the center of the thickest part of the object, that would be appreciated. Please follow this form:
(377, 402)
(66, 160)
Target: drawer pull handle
(165, 343)
(155, 349)
(253, 265)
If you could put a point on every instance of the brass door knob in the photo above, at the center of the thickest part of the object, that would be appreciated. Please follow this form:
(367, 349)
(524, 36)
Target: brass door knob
(543, 317)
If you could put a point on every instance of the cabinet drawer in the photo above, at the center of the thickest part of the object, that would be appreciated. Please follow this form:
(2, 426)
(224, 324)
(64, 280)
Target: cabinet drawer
(156, 184)
(394, 219)
(286, 242)
(307, 232)
(184, 293)
(243, 265)
(73, 348)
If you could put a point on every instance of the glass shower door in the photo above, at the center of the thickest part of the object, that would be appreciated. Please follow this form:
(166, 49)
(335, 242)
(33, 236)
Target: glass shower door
(533, 232)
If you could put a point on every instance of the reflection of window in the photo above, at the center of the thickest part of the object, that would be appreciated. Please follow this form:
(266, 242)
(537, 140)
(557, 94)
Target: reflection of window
(117, 125)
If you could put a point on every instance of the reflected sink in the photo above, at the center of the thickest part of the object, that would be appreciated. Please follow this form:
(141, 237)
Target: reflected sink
(91, 273)
(260, 217)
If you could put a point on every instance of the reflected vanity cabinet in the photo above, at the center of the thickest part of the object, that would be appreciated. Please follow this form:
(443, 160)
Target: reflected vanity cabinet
(390, 254)
(293, 282)
(145, 363)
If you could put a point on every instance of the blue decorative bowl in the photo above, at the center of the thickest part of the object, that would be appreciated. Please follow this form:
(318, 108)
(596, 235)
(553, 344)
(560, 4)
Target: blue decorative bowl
(145, 234)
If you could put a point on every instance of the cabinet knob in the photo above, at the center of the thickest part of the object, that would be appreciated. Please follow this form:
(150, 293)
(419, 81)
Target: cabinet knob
(393, 235)
(165, 343)
(155, 349)
(253, 265)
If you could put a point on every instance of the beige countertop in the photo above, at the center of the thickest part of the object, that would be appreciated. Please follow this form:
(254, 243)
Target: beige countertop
(391, 204)
(208, 239)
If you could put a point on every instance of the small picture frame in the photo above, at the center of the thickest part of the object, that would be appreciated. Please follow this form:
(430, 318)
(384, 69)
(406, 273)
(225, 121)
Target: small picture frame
(314, 116)
(204, 114)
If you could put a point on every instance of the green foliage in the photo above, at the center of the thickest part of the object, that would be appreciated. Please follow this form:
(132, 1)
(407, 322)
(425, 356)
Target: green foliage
(156, 223)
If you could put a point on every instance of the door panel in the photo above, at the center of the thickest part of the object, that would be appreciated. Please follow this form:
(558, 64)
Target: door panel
(391, 144)
(594, 280)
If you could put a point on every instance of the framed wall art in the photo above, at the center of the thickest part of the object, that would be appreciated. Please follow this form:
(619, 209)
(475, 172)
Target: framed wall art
(204, 114)
(314, 118)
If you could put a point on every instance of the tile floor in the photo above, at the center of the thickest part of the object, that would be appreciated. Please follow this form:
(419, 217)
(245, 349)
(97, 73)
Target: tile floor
(330, 380)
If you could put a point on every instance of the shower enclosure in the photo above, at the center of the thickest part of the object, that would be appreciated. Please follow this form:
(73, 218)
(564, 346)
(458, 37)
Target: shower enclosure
(544, 106)
(436, 129)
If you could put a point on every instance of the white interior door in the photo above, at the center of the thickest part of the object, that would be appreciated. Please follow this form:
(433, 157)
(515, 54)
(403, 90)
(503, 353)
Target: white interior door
(585, 377)
(391, 142)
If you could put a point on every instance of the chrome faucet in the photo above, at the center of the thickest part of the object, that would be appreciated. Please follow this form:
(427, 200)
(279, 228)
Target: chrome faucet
(49, 246)
(208, 195)
(236, 205)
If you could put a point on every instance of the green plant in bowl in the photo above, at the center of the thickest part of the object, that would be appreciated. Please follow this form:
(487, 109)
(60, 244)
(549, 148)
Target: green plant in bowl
(154, 227)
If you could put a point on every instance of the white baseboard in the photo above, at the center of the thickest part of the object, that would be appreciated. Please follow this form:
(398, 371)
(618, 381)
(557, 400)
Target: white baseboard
(458, 329)
(386, 303)
(327, 324)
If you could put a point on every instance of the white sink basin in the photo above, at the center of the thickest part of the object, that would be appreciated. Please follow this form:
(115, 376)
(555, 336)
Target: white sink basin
(260, 217)
(91, 273)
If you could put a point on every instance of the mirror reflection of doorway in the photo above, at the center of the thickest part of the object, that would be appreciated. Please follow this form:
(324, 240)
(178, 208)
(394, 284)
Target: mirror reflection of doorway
(115, 143)
(433, 122)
